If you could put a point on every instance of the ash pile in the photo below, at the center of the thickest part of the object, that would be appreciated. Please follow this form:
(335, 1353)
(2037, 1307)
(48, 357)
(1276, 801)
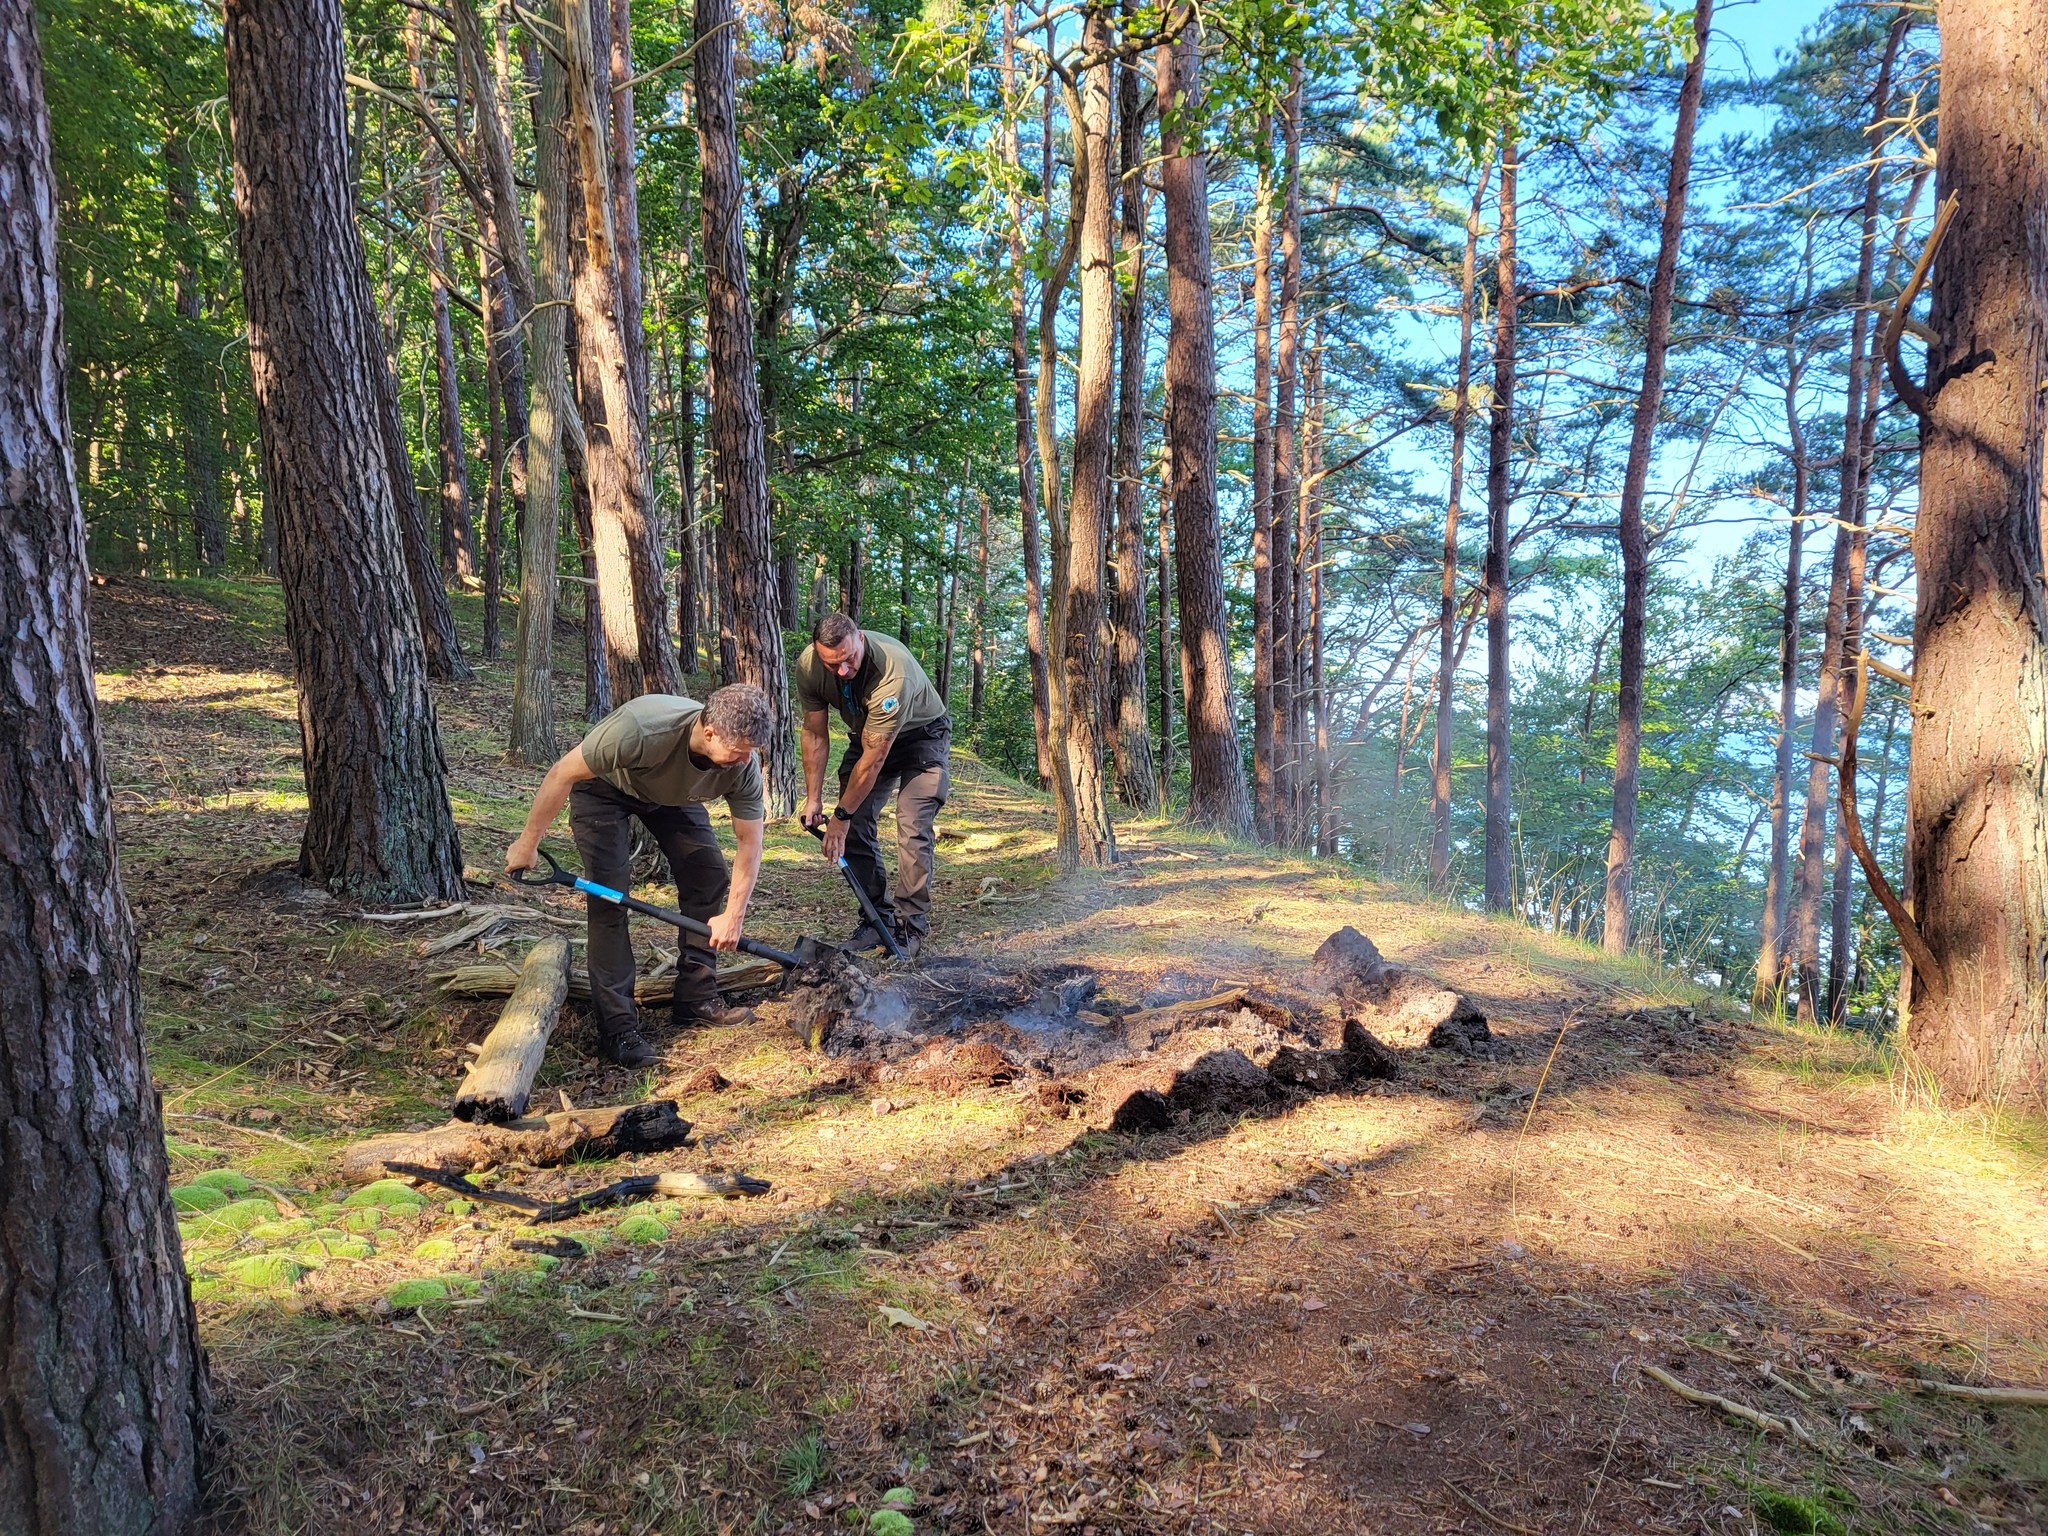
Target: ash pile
(1131, 1054)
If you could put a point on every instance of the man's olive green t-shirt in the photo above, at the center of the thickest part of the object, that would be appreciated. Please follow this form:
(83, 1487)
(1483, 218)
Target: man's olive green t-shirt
(889, 693)
(643, 747)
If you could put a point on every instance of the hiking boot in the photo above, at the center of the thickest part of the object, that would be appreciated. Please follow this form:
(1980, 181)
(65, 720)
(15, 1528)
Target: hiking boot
(910, 941)
(716, 1016)
(867, 936)
(628, 1048)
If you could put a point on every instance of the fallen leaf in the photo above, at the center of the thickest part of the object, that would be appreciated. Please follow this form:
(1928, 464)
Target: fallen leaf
(1313, 1304)
(896, 1317)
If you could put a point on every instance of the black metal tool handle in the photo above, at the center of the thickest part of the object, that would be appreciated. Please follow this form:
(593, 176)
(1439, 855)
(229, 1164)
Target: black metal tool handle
(867, 907)
(556, 875)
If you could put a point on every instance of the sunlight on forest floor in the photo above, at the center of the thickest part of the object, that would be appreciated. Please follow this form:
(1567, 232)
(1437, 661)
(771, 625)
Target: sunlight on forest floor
(1426, 1305)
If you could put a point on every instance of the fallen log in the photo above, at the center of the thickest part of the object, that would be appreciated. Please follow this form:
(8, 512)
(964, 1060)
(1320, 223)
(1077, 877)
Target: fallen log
(1145, 1018)
(672, 1184)
(538, 1140)
(496, 979)
(500, 1080)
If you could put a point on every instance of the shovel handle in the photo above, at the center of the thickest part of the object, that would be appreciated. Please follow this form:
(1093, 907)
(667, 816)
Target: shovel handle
(556, 875)
(867, 907)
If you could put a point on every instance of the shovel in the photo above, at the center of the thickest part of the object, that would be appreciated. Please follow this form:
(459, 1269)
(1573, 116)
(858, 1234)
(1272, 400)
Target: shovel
(809, 951)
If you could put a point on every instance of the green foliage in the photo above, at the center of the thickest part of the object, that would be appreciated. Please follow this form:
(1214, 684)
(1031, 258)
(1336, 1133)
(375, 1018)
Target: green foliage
(803, 1464)
(1795, 1515)
(386, 1194)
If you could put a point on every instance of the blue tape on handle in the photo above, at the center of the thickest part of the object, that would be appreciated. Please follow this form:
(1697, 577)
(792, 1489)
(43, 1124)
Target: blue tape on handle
(591, 887)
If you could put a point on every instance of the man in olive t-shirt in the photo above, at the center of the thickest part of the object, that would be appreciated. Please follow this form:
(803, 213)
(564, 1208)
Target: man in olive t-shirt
(658, 759)
(900, 737)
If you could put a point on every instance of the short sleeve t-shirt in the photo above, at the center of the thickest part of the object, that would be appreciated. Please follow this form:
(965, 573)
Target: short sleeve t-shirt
(643, 748)
(890, 692)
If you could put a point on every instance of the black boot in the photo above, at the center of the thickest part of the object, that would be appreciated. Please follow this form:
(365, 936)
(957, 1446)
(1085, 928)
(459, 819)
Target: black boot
(627, 1048)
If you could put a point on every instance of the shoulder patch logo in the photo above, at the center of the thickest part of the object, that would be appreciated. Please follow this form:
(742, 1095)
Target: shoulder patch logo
(888, 705)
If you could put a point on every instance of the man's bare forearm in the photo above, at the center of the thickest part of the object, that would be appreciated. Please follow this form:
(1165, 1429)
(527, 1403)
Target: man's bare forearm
(569, 771)
(865, 772)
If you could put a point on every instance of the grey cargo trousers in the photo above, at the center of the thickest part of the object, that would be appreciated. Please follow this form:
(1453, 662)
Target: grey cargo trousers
(915, 773)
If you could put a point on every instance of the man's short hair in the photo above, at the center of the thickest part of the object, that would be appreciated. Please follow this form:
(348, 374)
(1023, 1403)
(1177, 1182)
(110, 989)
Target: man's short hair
(739, 712)
(835, 630)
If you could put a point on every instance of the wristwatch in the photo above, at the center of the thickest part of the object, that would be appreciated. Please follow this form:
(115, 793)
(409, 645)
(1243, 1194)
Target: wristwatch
(841, 813)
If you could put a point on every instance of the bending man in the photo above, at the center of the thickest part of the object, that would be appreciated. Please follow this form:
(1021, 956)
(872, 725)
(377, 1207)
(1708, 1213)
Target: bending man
(657, 760)
(900, 733)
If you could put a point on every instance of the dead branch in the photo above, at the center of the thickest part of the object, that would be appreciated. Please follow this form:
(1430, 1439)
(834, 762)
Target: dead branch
(1770, 1424)
(1911, 394)
(1909, 933)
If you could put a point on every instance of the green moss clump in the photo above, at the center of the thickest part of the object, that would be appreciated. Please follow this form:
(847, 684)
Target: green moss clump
(890, 1522)
(198, 1197)
(336, 1247)
(641, 1228)
(460, 1207)
(1792, 1515)
(281, 1231)
(241, 1215)
(391, 1194)
(226, 1180)
(267, 1271)
(440, 1249)
(365, 1219)
(416, 1293)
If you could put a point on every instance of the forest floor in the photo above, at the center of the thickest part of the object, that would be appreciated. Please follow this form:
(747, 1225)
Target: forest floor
(1426, 1305)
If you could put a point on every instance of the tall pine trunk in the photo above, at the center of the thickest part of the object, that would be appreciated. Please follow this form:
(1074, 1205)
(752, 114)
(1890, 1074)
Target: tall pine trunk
(549, 413)
(1131, 743)
(1020, 403)
(1635, 544)
(1770, 958)
(1978, 803)
(1499, 449)
(1813, 839)
(1446, 673)
(378, 826)
(1089, 516)
(1216, 787)
(977, 687)
(739, 449)
(103, 1415)
(1289, 609)
(1264, 613)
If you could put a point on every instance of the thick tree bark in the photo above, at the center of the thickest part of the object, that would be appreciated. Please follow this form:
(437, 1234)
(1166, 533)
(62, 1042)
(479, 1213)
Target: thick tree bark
(1499, 890)
(494, 486)
(1323, 817)
(1164, 587)
(1216, 787)
(1088, 519)
(739, 448)
(1289, 609)
(103, 1414)
(1813, 839)
(626, 227)
(458, 536)
(1020, 401)
(1635, 543)
(378, 826)
(1978, 802)
(532, 736)
(1446, 673)
(633, 599)
(1131, 722)
(1264, 647)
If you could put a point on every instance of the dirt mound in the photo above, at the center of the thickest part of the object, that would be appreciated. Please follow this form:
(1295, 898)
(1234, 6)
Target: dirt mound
(1403, 1007)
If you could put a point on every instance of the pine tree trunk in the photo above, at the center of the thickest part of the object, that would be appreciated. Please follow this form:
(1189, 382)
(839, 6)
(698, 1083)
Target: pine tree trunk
(1216, 787)
(1978, 804)
(378, 826)
(977, 689)
(104, 1411)
(1288, 606)
(1813, 839)
(1499, 891)
(494, 488)
(458, 537)
(1164, 587)
(1089, 518)
(1447, 601)
(1770, 959)
(1264, 647)
(1635, 544)
(532, 736)
(1020, 401)
(199, 416)
(1322, 817)
(626, 228)
(632, 598)
(1131, 744)
(738, 446)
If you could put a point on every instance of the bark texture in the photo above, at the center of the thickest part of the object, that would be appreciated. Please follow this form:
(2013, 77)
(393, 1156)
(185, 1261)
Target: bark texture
(1020, 401)
(103, 1413)
(1216, 788)
(378, 826)
(740, 461)
(1500, 446)
(1979, 804)
(1635, 543)
(1131, 722)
